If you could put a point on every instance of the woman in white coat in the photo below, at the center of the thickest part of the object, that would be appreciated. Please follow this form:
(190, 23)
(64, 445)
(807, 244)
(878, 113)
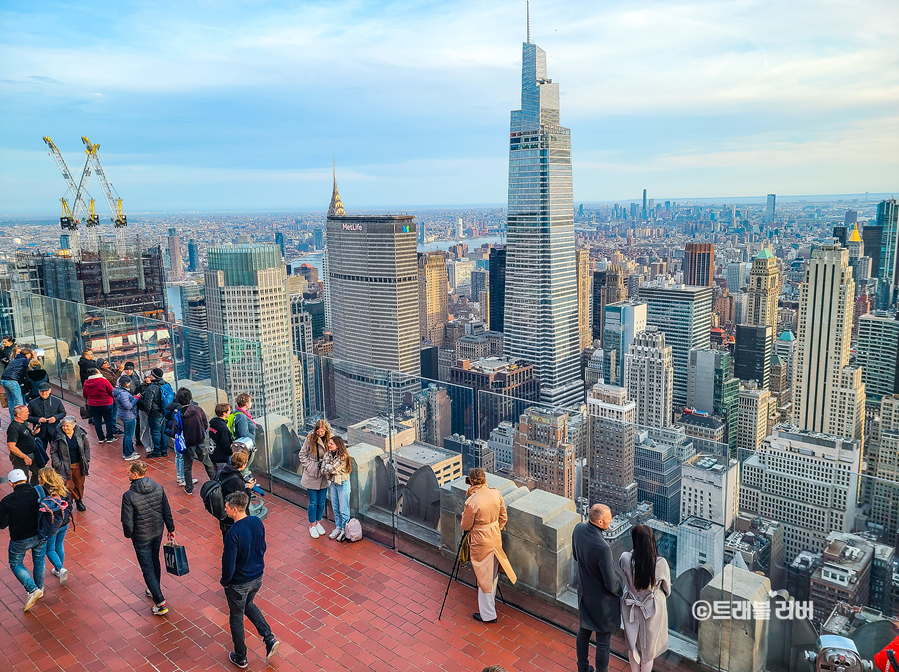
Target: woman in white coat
(644, 608)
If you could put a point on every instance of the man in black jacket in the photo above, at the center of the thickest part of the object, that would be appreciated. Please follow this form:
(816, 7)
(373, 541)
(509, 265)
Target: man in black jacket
(151, 404)
(221, 437)
(46, 412)
(598, 590)
(18, 512)
(145, 512)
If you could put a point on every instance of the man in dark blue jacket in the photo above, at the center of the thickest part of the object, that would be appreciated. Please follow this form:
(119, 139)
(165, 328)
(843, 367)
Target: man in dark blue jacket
(243, 562)
(13, 377)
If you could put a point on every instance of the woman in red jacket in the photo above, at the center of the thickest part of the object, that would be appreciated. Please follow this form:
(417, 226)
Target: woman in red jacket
(97, 393)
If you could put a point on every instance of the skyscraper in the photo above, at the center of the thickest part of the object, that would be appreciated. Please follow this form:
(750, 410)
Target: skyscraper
(373, 280)
(279, 241)
(623, 321)
(711, 388)
(610, 448)
(175, 255)
(755, 405)
(496, 276)
(193, 256)
(644, 215)
(699, 264)
(769, 208)
(193, 316)
(649, 377)
(585, 333)
(752, 353)
(609, 286)
(764, 287)
(684, 313)
(541, 321)
(872, 236)
(877, 352)
(888, 220)
(432, 296)
(541, 452)
(828, 393)
(246, 301)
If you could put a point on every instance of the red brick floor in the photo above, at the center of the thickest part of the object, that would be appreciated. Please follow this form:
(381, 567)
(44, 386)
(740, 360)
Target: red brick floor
(334, 606)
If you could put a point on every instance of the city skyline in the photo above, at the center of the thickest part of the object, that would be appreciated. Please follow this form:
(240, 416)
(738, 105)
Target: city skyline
(658, 112)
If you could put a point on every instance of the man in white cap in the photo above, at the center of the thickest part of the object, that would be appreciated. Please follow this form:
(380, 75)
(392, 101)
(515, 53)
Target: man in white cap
(18, 512)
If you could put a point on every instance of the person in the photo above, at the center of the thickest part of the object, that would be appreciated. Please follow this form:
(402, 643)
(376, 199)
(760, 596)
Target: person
(243, 564)
(484, 518)
(316, 483)
(145, 512)
(7, 351)
(85, 364)
(647, 579)
(151, 403)
(142, 435)
(128, 370)
(70, 457)
(34, 378)
(195, 424)
(221, 437)
(127, 405)
(18, 512)
(173, 408)
(53, 486)
(45, 413)
(97, 393)
(13, 377)
(337, 467)
(112, 375)
(241, 422)
(20, 441)
(598, 588)
(232, 480)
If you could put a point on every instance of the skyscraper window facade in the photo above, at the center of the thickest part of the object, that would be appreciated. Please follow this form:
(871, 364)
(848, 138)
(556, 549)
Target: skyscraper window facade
(541, 310)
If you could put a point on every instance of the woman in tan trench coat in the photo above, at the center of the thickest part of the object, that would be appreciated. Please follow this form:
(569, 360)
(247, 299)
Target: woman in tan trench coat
(484, 518)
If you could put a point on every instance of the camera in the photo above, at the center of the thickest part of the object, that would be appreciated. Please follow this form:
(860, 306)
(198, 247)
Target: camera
(837, 654)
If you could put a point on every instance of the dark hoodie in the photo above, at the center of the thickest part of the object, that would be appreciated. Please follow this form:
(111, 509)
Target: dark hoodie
(33, 380)
(85, 365)
(146, 511)
(195, 425)
(221, 437)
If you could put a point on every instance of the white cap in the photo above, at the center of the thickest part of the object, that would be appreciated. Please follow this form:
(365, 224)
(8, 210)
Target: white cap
(16, 476)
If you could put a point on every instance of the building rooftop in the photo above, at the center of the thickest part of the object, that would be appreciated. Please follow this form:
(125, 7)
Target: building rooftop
(493, 364)
(786, 335)
(707, 421)
(422, 453)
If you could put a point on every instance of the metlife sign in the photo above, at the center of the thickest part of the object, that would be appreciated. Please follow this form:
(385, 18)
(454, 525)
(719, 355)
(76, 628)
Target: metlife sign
(352, 226)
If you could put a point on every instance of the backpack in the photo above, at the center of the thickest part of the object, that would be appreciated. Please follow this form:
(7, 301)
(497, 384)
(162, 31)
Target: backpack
(53, 513)
(353, 530)
(232, 421)
(211, 494)
(175, 431)
(166, 393)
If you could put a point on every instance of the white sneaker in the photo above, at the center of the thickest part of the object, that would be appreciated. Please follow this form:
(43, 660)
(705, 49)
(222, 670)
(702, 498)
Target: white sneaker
(334, 534)
(181, 483)
(132, 457)
(63, 575)
(313, 532)
(54, 572)
(196, 480)
(321, 530)
(33, 597)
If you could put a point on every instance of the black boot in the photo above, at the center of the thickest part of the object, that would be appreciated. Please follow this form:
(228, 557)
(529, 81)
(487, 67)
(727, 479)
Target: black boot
(80, 505)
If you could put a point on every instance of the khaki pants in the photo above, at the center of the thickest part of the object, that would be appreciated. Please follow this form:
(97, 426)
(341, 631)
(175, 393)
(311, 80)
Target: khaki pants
(75, 484)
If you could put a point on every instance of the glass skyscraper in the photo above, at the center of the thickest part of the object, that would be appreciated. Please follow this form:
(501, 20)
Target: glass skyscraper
(541, 313)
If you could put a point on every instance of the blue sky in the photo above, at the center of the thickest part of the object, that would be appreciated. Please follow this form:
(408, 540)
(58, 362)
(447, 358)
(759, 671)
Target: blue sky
(220, 105)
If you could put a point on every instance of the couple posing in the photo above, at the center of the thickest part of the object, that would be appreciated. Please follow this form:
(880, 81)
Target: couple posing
(637, 590)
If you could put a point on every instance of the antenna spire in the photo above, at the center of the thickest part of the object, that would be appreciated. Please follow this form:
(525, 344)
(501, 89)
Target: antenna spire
(529, 21)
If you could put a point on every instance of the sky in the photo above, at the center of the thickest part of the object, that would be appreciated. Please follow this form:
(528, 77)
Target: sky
(216, 105)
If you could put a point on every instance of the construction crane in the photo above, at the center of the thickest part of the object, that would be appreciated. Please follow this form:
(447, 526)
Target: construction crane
(119, 220)
(70, 218)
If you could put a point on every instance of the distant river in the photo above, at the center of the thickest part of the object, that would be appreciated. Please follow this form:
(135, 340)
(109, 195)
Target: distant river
(315, 258)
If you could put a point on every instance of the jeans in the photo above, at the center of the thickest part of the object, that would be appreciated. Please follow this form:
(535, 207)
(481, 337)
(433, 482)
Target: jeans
(56, 553)
(148, 558)
(17, 551)
(128, 438)
(155, 422)
(115, 417)
(179, 466)
(100, 415)
(240, 603)
(340, 502)
(317, 499)
(13, 395)
(603, 644)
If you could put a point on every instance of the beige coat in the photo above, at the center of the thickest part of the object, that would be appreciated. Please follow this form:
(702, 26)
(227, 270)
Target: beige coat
(645, 612)
(485, 517)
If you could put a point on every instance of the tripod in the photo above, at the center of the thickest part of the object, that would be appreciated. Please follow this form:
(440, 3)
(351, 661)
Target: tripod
(454, 574)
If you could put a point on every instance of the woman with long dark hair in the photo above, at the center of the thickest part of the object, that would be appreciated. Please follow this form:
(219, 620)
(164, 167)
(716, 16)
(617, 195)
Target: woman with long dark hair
(643, 605)
(337, 466)
(312, 455)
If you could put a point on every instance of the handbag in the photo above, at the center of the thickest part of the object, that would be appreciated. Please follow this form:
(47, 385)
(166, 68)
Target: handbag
(175, 559)
(85, 412)
(464, 550)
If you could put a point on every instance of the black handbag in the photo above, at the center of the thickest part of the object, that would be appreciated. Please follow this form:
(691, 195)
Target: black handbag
(85, 412)
(175, 559)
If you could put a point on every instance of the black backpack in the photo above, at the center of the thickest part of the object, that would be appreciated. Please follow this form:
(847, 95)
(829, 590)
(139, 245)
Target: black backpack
(213, 500)
(53, 513)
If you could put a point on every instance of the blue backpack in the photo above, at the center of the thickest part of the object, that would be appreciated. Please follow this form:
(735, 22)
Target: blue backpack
(53, 513)
(167, 394)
